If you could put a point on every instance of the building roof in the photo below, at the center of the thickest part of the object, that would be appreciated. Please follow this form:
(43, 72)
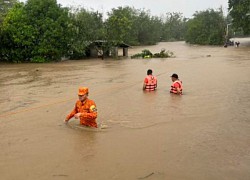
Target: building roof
(100, 43)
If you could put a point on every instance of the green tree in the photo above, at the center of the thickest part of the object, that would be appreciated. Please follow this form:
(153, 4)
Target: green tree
(37, 31)
(5, 6)
(156, 29)
(118, 27)
(16, 36)
(51, 24)
(133, 26)
(207, 27)
(142, 26)
(148, 28)
(240, 12)
(86, 27)
(174, 27)
(119, 24)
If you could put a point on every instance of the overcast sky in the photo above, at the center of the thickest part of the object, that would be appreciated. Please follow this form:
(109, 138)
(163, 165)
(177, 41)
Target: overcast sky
(156, 7)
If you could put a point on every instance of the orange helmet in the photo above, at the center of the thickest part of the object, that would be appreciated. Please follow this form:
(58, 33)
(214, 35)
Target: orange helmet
(83, 90)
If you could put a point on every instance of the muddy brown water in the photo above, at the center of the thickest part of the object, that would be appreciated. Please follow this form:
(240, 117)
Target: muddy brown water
(204, 134)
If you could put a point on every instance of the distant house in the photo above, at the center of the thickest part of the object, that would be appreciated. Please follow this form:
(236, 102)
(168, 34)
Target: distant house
(100, 48)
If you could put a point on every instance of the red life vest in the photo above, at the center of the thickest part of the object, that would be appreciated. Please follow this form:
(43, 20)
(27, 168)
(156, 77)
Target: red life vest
(173, 87)
(151, 84)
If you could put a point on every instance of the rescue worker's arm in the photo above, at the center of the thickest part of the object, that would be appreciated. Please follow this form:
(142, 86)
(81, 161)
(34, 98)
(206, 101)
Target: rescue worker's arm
(73, 112)
(92, 114)
(178, 89)
(145, 83)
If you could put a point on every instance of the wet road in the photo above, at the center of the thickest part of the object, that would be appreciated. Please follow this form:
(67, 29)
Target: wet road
(203, 134)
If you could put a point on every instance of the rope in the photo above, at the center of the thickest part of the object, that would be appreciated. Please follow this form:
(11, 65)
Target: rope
(59, 102)
(29, 109)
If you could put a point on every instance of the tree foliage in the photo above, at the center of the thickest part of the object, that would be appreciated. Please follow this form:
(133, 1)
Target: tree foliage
(86, 26)
(35, 32)
(119, 24)
(240, 12)
(148, 28)
(206, 28)
(174, 27)
(5, 6)
(50, 22)
(148, 54)
(16, 35)
(138, 26)
(42, 30)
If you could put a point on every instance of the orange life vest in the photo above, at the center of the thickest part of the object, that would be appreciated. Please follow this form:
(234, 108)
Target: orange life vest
(173, 87)
(151, 84)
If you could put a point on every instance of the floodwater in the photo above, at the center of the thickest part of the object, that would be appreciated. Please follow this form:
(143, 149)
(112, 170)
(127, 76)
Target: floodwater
(203, 135)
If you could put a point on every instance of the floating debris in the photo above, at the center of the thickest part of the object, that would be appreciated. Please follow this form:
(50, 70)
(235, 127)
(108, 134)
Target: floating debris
(146, 176)
(62, 175)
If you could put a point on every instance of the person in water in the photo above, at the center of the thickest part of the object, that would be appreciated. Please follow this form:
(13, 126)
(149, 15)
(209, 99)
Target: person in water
(237, 43)
(150, 82)
(176, 87)
(84, 110)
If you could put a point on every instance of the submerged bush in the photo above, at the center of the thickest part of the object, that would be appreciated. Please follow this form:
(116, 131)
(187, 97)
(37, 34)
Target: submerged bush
(147, 54)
